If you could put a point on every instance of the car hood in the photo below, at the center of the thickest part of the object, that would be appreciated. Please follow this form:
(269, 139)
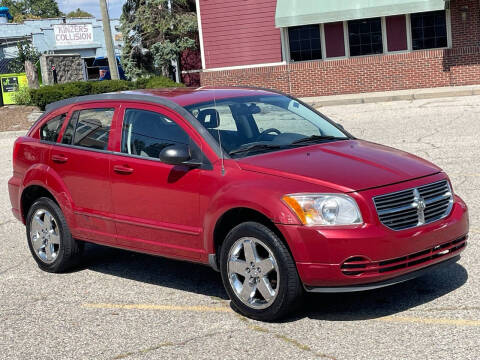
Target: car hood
(351, 165)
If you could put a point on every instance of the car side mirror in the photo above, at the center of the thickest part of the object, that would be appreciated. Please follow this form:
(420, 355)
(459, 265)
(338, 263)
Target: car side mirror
(340, 126)
(178, 154)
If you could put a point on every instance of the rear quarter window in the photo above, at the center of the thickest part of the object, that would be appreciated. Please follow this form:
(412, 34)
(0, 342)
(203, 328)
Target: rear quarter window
(50, 130)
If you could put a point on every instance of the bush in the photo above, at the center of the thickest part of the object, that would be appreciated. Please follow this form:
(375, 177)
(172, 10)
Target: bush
(108, 86)
(22, 96)
(77, 88)
(48, 94)
(156, 82)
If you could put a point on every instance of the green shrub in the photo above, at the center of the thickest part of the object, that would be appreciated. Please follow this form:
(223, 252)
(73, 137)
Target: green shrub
(77, 88)
(156, 82)
(45, 95)
(22, 96)
(108, 86)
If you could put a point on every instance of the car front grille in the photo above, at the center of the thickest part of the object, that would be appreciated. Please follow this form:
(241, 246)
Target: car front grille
(415, 207)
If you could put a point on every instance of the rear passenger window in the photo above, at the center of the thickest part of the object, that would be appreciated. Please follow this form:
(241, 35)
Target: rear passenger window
(89, 128)
(49, 131)
(146, 133)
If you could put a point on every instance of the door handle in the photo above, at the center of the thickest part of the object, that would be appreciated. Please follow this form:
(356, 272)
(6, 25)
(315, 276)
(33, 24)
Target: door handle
(60, 159)
(122, 169)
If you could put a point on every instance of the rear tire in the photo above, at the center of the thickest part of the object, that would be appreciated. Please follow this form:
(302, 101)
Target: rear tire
(49, 237)
(259, 273)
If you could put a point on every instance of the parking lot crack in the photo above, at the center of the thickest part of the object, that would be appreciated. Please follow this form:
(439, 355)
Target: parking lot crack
(285, 339)
(167, 344)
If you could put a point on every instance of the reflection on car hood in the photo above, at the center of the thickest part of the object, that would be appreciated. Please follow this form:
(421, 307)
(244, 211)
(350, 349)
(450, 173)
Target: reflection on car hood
(351, 165)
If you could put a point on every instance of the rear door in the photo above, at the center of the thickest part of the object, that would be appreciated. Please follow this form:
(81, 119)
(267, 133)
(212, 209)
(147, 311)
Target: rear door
(81, 159)
(156, 205)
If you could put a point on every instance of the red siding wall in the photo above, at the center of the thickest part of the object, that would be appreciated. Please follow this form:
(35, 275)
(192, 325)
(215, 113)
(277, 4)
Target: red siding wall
(396, 33)
(334, 39)
(418, 69)
(240, 32)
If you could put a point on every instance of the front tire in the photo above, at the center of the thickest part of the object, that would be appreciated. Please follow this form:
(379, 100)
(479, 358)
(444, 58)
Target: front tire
(259, 273)
(49, 237)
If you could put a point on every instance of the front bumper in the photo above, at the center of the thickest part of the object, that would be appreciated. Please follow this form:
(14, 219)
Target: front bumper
(324, 256)
(377, 285)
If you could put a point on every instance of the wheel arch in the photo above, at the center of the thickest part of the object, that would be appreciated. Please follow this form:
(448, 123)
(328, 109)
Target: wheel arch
(236, 216)
(30, 194)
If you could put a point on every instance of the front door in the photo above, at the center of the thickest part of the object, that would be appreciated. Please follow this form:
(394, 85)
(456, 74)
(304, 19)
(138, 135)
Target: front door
(156, 205)
(81, 161)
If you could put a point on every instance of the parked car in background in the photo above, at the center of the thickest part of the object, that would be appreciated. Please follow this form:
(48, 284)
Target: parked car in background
(276, 196)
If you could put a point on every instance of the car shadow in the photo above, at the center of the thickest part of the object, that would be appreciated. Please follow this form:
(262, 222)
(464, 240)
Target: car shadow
(386, 301)
(155, 270)
(200, 279)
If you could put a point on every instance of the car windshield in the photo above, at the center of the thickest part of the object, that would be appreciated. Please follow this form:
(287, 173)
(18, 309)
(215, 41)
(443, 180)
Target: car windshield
(246, 126)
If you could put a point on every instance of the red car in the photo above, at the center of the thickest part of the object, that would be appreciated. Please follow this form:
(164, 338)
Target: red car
(274, 195)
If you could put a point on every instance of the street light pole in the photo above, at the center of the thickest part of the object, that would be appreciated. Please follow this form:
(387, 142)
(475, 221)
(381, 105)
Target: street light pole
(107, 30)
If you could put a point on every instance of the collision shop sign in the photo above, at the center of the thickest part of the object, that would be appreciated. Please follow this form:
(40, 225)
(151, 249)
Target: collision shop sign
(73, 34)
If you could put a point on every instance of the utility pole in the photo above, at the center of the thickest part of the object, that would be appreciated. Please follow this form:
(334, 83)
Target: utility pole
(107, 30)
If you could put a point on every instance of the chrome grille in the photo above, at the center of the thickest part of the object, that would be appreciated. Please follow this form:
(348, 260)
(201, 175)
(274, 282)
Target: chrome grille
(414, 207)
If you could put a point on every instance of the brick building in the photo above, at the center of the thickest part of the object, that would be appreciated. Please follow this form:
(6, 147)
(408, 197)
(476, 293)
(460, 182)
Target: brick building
(313, 47)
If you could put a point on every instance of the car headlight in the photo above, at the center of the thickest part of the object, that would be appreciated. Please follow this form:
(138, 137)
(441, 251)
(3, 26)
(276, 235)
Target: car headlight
(324, 209)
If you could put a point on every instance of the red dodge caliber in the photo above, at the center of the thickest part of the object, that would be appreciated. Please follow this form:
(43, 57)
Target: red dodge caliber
(277, 197)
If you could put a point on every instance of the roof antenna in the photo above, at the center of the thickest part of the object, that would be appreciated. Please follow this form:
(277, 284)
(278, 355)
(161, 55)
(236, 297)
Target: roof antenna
(222, 159)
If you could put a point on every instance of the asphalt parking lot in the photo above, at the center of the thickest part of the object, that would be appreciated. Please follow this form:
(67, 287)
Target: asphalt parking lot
(121, 305)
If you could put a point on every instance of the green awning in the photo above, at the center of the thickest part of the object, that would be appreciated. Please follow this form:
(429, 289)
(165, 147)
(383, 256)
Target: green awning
(305, 12)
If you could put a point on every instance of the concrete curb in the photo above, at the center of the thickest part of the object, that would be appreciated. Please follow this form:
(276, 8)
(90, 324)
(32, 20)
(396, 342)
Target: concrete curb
(405, 95)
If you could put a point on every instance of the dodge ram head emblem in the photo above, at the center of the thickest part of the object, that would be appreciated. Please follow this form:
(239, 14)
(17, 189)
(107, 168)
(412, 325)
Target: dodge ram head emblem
(419, 203)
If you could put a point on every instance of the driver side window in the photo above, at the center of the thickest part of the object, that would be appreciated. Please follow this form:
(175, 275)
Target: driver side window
(147, 133)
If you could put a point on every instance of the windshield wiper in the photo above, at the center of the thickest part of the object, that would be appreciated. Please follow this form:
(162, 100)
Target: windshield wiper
(253, 148)
(316, 139)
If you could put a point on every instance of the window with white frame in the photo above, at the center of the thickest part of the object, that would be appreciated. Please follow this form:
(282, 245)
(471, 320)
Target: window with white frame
(304, 43)
(429, 30)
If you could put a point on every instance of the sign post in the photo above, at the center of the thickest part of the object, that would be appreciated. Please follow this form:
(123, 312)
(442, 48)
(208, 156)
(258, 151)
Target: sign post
(112, 61)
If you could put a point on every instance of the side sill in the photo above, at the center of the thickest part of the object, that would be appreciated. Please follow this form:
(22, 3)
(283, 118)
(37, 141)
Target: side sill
(212, 261)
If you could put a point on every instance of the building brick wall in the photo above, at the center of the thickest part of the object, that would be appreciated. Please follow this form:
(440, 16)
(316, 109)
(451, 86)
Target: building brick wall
(459, 65)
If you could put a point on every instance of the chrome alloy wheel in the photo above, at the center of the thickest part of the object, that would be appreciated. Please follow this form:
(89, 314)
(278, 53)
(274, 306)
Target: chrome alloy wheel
(253, 273)
(45, 236)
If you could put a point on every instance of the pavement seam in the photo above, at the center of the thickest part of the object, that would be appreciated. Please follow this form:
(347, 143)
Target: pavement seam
(284, 338)
(166, 344)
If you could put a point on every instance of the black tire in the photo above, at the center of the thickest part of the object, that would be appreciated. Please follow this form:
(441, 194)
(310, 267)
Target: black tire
(290, 289)
(69, 250)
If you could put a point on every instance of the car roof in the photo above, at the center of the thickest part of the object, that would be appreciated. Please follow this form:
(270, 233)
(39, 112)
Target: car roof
(171, 96)
(189, 96)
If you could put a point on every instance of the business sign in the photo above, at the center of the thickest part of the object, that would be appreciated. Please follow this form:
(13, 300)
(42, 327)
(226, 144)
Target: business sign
(73, 34)
(10, 84)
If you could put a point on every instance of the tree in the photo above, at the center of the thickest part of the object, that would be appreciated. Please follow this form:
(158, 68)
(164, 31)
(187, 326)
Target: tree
(78, 13)
(26, 52)
(32, 9)
(155, 33)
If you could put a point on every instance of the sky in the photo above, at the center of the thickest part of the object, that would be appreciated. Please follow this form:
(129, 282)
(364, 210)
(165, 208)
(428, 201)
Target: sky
(92, 6)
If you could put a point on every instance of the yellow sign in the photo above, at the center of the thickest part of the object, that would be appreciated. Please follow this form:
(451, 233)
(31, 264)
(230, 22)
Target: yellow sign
(10, 84)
